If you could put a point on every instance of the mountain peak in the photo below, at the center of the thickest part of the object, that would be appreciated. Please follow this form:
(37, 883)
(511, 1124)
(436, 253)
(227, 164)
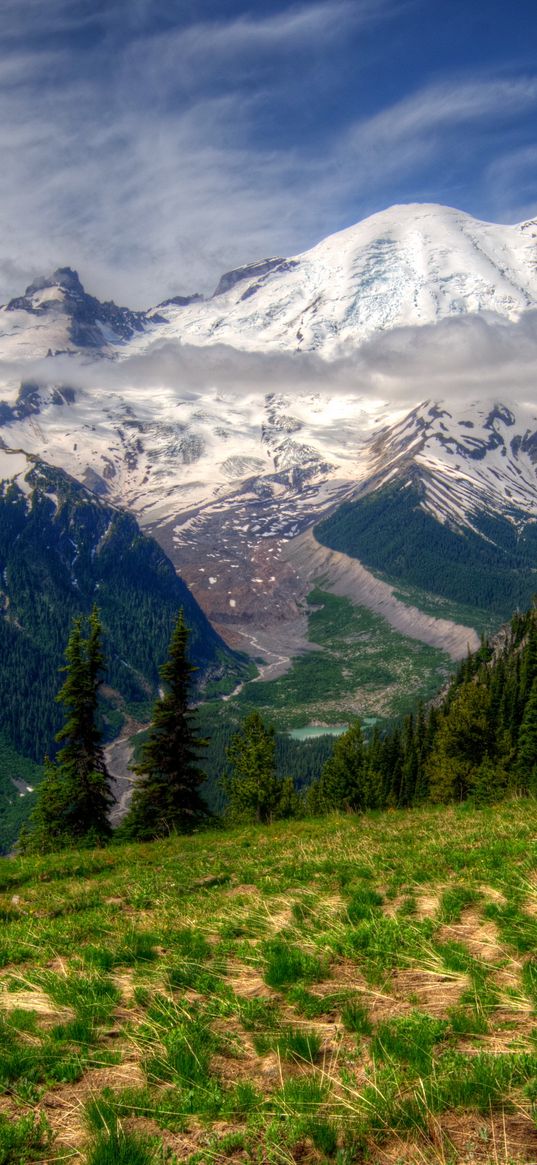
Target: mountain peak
(75, 319)
(406, 266)
(63, 277)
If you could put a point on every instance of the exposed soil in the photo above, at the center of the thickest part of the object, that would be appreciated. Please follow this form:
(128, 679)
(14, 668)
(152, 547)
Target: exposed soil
(347, 577)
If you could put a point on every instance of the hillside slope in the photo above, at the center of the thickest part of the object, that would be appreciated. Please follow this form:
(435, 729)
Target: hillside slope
(61, 550)
(346, 989)
(232, 425)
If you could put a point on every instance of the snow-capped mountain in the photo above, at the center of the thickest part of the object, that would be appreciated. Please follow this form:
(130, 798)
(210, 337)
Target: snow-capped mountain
(479, 458)
(406, 266)
(226, 424)
(409, 265)
(55, 314)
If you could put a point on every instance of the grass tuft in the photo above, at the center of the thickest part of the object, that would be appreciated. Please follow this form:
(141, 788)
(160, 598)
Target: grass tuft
(286, 964)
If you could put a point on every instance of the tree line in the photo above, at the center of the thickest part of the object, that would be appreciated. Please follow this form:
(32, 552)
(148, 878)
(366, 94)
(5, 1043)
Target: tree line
(491, 569)
(478, 740)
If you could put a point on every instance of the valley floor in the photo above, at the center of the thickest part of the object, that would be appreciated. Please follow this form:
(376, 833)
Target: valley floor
(345, 990)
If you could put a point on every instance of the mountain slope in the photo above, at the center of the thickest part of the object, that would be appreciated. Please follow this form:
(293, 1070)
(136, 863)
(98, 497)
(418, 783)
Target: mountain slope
(450, 505)
(55, 314)
(409, 265)
(232, 425)
(61, 549)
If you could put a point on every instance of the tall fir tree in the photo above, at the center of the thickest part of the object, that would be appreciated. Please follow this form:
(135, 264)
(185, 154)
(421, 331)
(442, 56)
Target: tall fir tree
(461, 744)
(74, 798)
(166, 798)
(343, 782)
(526, 762)
(251, 783)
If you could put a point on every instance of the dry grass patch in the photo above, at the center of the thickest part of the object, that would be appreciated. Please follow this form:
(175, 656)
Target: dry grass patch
(247, 982)
(493, 894)
(34, 999)
(479, 935)
(428, 905)
(436, 992)
(244, 889)
(64, 1104)
(500, 1139)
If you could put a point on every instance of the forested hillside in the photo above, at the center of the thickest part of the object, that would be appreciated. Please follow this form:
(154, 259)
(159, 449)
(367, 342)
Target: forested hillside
(61, 550)
(492, 567)
(477, 741)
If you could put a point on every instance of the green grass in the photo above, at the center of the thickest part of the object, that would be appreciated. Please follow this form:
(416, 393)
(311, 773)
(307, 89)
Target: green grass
(120, 1148)
(23, 1139)
(276, 995)
(366, 668)
(439, 607)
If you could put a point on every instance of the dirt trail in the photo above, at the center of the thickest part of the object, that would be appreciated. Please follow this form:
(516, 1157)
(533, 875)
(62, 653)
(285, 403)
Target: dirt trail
(277, 647)
(346, 577)
(119, 755)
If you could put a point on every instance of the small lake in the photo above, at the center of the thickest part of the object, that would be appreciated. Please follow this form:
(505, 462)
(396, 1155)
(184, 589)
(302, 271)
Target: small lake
(310, 733)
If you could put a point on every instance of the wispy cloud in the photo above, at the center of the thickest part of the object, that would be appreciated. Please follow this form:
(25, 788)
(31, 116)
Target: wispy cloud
(451, 104)
(512, 180)
(154, 157)
(435, 122)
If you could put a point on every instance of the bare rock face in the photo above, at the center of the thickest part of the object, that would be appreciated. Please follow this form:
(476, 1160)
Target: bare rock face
(88, 323)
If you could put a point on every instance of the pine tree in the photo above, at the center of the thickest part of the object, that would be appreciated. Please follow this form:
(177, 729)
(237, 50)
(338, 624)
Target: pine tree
(409, 763)
(392, 768)
(463, 740)
(74, 798)
(252, 785)
(526, 764)
(343, 778)
(528, 667)
(289, 804)
(421, 789)
(47, 828)
(166, 797)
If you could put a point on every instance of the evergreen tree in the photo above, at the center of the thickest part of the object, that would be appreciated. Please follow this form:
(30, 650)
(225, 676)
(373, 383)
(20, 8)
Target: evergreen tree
(166, 797)
(251, 784)
(392, 768)
(409, 763)
(74, 798)
(47, 828)
(529, 658)
(421, 788)
(462, 743)
(343, 783)
(289, 804)
(488, 782)
(526, 764)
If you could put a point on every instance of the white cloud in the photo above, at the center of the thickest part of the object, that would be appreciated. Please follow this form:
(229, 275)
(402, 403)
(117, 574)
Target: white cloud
(428, 124)
(451, 104)
(460, 358)
(146, 170)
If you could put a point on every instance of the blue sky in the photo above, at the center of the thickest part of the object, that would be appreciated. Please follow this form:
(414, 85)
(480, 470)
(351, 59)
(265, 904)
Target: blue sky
(154, 144)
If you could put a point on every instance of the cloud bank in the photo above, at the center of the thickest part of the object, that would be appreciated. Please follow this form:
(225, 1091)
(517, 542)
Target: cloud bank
(459, 359)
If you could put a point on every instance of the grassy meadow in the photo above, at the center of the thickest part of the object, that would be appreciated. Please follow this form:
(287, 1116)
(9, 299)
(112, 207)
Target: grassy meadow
(356, 989)
(365, 668)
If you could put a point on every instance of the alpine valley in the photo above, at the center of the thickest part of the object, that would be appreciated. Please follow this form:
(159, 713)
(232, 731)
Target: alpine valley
(333, 450)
